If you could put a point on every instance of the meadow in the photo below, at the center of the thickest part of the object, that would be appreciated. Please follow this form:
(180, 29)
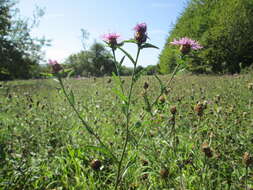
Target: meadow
(199, 135)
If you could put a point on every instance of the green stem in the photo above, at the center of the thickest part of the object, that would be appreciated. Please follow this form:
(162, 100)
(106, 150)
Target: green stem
(117, 70)
(168, 84)
(118, 179)
(246, 179)
(86, 125)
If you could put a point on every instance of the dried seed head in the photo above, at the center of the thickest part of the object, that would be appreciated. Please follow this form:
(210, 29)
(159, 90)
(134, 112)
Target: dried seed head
(144, 162)
(199, 109)
(144, 176)
(164, 173)
(146, 85)
(247, 159)
(207, 150)
(162, 99)
(95, 164)
(250, 86)
(173, 110)
(167, 91)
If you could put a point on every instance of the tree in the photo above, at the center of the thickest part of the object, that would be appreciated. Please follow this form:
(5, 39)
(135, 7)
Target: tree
(97, 61)
(19, 52)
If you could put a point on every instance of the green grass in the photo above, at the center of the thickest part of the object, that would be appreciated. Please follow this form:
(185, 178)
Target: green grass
(43, 145)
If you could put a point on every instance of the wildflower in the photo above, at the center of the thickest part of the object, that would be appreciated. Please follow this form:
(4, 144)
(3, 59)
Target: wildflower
(55, 66)
(111, 39)
(186, 44)
(141, 33)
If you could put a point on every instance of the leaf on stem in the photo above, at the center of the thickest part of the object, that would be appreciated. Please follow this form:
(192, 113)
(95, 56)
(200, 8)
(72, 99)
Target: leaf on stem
(148, 45)
(128, 55)
(72, 97)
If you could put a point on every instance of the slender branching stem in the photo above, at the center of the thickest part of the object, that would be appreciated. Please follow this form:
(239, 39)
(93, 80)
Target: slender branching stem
(117, 70)
(118, 179)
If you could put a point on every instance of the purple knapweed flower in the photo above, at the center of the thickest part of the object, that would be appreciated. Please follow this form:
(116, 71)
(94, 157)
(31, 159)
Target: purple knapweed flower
(111, 39)
(186, 44)
(141, 33)
(55, 66)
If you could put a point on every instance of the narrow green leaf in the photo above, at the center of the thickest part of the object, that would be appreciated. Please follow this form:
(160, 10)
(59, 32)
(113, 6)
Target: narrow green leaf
(121, 61)
(102, 150)
(148, 45)
(128, 55)
(72, 97)
(130, 41)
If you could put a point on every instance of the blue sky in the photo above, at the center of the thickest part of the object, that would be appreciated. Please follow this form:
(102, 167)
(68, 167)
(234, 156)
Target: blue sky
(63, 20)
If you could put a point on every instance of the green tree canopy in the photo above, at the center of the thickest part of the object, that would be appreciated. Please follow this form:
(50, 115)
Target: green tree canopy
(19, 52)
(224, 28)
(97, 61)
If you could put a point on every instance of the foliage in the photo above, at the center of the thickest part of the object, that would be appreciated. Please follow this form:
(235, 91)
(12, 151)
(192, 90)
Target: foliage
(223, 27)
(97, 61)
(19, 52)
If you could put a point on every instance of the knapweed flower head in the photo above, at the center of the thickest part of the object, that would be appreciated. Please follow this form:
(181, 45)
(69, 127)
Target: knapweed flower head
(55, 66)
(141, 33)
(186, 45)
(111, 39)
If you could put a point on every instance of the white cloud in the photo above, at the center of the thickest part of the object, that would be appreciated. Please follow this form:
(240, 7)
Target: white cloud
(58, 55)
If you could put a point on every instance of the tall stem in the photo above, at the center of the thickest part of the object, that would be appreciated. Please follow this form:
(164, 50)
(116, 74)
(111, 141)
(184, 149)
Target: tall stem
(117, 70)
(118, 179)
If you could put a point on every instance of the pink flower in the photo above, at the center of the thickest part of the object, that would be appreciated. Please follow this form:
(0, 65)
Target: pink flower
(141, 28)
(55, 66)
(111, 38)
(186, 44)
(141, 33)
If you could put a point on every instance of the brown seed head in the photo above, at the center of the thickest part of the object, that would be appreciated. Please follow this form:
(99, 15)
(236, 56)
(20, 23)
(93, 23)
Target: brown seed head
(164, 173)
(144, 162)
(146, 85)
(173, 110)
(199, 109)
(162, 99)
(95, 164)
(250, 86)
(207, 150)
(247, 159)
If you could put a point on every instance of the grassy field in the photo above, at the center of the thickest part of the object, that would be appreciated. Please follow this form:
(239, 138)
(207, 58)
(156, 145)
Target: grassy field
(198, 136)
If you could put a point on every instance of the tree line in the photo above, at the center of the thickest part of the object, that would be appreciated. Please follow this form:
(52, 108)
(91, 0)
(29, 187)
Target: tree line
(223, 27)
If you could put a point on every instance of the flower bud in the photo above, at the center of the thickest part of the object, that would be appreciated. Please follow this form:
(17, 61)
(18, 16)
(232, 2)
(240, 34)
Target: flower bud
(141, 33)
